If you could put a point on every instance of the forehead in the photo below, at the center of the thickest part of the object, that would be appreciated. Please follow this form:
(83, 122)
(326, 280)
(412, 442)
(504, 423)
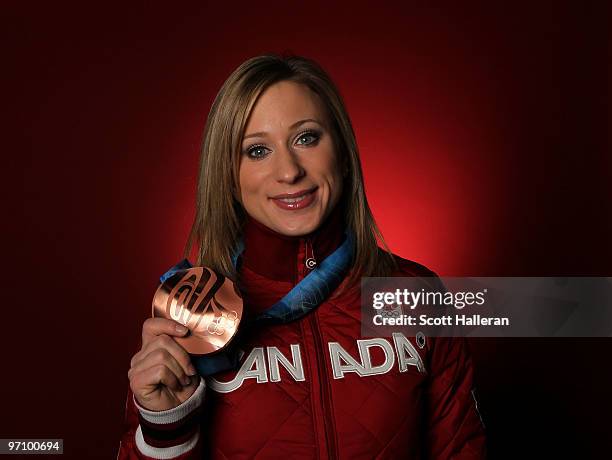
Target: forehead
(282, 104)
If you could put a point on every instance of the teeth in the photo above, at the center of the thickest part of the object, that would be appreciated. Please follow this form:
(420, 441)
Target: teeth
(293, 200)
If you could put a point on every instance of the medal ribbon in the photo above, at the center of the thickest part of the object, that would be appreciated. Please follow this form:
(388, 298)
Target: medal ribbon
(303, 298)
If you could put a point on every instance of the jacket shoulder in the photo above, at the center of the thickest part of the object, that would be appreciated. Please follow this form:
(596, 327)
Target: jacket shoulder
(408, 267)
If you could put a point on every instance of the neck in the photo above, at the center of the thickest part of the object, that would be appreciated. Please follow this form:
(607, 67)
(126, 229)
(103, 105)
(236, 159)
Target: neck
(274, 255)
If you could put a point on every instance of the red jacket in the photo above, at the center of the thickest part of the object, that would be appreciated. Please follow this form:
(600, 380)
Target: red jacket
(314, 388)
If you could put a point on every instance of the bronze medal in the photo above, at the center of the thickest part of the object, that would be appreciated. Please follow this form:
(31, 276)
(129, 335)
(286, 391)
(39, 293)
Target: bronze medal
(207, 303)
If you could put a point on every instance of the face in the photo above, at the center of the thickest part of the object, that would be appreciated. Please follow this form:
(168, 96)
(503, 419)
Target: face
(290, 176)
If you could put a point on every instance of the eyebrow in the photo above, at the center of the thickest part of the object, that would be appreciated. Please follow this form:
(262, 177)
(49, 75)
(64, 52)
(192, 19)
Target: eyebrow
(293, 126)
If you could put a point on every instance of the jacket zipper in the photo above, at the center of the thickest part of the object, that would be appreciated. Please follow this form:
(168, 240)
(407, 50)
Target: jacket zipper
(309, 263)
(325, 389)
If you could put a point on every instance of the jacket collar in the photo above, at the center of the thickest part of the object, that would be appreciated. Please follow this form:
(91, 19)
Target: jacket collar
(275, 256)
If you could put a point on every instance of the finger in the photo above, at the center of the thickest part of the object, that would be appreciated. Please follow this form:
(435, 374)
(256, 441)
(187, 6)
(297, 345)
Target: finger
(137, 357)
(164, 357)
(175, 349)
(152, 327)
(156, 357)
(146, 381)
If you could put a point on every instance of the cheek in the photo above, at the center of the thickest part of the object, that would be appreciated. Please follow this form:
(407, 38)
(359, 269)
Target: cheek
(333, 176)
(251, 181)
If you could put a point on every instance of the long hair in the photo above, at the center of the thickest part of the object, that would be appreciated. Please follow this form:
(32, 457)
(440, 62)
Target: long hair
(219, 216)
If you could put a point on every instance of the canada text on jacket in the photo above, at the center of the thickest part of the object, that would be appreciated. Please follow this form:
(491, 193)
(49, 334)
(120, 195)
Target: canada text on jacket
(264, 365)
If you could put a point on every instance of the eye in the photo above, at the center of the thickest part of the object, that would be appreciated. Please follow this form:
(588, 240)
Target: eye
(311, 137)
(256, 152)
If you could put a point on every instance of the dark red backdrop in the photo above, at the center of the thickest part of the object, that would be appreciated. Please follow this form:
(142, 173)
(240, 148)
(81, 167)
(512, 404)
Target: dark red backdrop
(483, 134)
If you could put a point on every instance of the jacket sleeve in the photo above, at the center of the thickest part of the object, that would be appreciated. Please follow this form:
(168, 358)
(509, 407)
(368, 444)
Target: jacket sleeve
(454, 427)
(169, 434)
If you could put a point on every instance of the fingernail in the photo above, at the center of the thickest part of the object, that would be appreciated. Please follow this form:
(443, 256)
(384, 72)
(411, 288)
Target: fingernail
(186, 380)
(181, 329)
(191, 370)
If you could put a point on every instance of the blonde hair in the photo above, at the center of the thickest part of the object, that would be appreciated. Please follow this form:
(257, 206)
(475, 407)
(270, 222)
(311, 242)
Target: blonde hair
(219, 216)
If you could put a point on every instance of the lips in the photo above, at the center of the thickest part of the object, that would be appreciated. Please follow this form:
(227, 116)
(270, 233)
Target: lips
(296, 200)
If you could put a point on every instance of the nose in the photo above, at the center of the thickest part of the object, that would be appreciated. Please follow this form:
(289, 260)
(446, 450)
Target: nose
(288, 167)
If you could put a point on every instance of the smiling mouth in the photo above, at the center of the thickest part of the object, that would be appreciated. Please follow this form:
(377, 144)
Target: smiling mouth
(294, 195)
(294, 201)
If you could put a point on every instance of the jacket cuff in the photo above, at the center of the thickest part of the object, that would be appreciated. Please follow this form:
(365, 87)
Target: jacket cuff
(169, 433)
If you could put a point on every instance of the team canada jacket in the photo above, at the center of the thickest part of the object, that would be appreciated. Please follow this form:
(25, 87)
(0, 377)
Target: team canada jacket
(314, 388)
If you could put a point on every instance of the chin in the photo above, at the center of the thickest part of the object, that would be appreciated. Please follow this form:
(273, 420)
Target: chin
(297, 229)
(297, 225)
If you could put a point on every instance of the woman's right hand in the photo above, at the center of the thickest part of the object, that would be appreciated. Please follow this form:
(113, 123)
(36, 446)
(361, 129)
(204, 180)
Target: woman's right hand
(161, 374)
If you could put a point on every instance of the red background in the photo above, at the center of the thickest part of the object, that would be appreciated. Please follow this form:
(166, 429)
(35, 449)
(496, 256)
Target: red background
(484, 140)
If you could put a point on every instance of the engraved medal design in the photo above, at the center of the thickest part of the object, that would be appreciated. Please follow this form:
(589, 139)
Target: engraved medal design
(207, 303)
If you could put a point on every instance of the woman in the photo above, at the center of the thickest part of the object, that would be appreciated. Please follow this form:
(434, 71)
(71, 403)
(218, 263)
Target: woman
(281, 194)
